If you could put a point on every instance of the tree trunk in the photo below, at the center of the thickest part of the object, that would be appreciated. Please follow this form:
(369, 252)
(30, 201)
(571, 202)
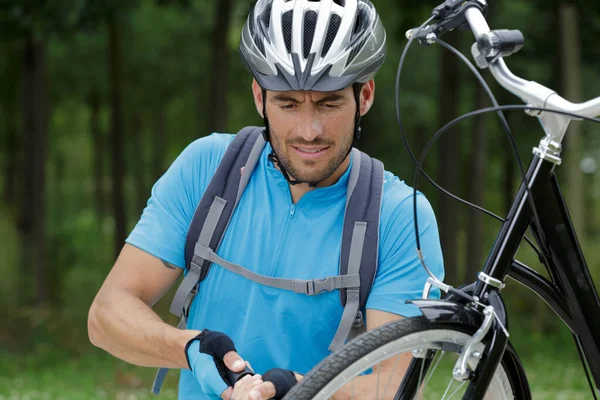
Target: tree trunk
(115, 60)
(449, 161)
(476, 188)
(11, 152)
(98, 154)
(570, 68)
(158, 145)
(138, 166)
(32, 215)
(217, 114)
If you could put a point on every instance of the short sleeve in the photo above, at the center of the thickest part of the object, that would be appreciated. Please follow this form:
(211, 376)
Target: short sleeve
(400, 275)
(162, 228)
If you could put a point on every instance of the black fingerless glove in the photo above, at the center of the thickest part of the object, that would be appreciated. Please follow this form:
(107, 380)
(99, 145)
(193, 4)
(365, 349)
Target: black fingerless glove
(282, 379)
(216, 345)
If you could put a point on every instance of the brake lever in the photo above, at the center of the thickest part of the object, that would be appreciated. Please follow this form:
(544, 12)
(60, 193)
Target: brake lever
(449, 16)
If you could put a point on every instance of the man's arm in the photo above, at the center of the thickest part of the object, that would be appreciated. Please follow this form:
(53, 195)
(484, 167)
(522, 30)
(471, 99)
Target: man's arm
(121, 320)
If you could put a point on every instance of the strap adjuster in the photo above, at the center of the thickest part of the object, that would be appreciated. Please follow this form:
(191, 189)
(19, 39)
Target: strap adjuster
(313, 286)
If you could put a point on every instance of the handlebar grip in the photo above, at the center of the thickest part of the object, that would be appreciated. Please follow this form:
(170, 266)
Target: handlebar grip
(233, 377)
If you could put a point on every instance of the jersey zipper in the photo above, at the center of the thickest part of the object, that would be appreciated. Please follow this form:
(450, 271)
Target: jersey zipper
(284, 236)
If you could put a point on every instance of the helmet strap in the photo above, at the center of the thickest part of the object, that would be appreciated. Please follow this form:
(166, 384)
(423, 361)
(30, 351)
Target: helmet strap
(267, 135)
(357, 87)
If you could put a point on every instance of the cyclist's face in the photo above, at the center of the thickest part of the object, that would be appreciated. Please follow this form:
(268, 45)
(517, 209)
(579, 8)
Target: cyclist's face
(312, 132)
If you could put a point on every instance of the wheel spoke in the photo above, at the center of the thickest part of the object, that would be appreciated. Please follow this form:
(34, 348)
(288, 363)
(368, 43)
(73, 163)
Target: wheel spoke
(457, 389)
(378, 372)
(448, 388)
(392, 375)
(421, 379)
(430, 374)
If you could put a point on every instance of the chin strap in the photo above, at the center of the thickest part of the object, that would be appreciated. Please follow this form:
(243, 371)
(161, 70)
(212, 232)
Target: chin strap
(357, 88)
(273, 158)
(267, 134)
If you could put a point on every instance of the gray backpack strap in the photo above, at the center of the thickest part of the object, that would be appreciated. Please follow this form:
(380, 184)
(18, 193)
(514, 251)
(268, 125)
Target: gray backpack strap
(360, 242)
(212, 217)
(308, 287)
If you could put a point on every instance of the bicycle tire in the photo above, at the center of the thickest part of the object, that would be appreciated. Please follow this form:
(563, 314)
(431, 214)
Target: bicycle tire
(319, 383)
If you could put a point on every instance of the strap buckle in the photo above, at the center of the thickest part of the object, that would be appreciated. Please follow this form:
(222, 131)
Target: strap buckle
(188, 302)
(313, 286)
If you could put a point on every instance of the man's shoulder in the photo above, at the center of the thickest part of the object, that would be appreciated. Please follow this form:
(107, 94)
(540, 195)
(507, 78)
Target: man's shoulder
(395, 190)
(397, 202)
(213, 145)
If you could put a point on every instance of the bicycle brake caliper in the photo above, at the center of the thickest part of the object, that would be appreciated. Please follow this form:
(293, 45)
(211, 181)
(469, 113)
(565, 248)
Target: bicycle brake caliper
(461, 371)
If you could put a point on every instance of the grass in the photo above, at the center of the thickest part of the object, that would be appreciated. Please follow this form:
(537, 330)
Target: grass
(51, 375)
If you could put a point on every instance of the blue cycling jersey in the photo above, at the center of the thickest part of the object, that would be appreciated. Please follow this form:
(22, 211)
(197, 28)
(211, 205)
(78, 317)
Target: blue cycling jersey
(270, 235)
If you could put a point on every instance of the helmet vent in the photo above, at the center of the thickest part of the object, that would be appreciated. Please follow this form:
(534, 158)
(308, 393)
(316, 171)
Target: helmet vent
(332, 30)
(357, 48)
(362, 22)
(286, 25)
(310, 24)
(260, 45)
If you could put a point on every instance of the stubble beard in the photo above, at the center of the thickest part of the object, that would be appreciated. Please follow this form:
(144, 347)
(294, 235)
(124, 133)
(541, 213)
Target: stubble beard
(305, 173)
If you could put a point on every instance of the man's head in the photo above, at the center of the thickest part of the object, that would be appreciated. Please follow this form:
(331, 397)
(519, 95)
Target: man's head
(312, 132)
(314, 62)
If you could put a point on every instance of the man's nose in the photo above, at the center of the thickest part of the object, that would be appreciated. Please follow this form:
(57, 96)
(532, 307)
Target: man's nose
(309, 127)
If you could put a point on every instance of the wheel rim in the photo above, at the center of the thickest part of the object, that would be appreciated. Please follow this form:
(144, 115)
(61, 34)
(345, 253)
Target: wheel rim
(444, 342)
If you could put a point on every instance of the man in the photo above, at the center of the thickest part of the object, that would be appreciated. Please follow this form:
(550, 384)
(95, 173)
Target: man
(313, 64)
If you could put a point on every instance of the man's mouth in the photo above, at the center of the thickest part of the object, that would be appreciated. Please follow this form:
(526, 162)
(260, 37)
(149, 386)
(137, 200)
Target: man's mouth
(310, 152)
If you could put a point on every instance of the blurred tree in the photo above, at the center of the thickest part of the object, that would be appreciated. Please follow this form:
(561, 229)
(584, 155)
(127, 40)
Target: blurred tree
(98, 145)
(35, 124)
(449, 147)
(12, 139)
(476, 187)
(115, 67)
(569, 55)
(217, 113)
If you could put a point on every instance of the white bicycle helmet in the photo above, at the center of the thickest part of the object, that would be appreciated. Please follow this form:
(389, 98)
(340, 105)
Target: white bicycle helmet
(320, 45)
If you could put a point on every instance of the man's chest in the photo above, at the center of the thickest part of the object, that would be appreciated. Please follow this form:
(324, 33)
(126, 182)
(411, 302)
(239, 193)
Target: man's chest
(271, 236)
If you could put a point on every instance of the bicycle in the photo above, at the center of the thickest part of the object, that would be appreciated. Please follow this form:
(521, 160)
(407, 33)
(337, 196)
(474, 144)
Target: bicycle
(470, 322)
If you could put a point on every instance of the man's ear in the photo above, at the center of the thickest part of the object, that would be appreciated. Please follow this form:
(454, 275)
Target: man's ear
(258, 97)
(367, 97)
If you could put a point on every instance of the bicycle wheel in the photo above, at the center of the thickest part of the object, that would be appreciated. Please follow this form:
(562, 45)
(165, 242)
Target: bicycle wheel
(441, 342)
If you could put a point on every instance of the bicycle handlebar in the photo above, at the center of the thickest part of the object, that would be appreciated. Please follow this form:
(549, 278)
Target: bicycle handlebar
(534, 94)
(454, 14)
(529, 91)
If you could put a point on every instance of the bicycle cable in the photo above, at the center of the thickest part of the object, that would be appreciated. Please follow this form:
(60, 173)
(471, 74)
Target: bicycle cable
(509, 135)
(481, 111)
(411, 154)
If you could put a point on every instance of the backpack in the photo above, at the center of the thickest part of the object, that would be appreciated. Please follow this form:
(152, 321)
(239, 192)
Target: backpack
(360, 237)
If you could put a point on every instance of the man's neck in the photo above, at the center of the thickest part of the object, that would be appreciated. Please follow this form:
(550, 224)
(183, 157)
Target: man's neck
(301, 189)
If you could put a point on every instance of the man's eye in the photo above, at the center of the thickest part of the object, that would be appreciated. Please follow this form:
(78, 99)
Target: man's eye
(287, 106)
(330, 106)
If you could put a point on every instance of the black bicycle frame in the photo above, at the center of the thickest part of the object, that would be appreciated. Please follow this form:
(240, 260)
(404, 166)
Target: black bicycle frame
(571, 292)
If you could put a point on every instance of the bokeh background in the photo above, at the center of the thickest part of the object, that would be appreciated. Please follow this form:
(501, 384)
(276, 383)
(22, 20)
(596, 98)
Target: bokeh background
(97, 98)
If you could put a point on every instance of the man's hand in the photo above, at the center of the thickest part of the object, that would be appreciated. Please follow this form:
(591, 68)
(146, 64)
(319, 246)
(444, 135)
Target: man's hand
(211, 355)
(268, 386)
(252, 388)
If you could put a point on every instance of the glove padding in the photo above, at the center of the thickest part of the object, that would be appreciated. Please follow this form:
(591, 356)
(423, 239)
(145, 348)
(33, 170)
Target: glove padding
(216, 345)
(282, 379)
